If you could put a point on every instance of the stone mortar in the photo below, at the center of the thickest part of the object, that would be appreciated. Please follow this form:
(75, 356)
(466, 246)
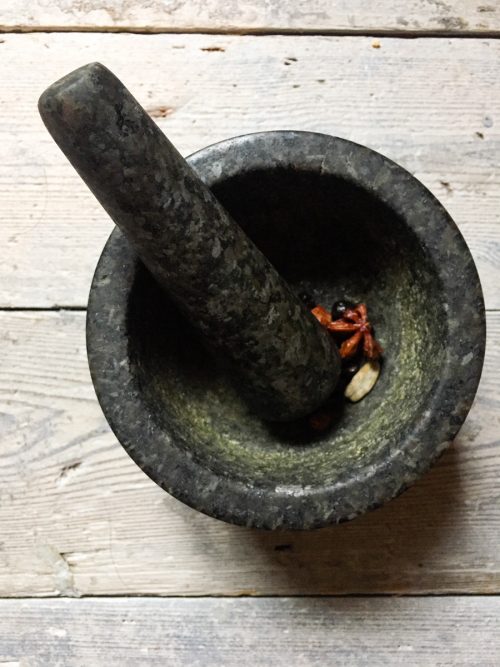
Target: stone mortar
(339, 220)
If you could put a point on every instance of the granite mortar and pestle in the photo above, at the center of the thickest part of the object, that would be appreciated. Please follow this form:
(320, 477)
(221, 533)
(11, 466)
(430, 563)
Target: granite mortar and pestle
(204, 360)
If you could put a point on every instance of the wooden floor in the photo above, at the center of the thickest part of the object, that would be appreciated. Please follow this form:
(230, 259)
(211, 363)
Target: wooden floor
(98, 566)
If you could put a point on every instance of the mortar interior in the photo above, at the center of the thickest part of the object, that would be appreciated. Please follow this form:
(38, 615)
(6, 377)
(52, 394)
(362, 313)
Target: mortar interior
(335, 239)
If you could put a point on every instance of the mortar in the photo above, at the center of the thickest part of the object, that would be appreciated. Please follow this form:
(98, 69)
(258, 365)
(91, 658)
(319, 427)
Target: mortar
(339, 220)
(335, 219)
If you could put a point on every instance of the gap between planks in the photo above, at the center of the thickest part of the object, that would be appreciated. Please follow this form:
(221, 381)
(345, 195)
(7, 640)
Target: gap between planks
(255, 32)
(83, 309)
(251, 596)
(36, 309)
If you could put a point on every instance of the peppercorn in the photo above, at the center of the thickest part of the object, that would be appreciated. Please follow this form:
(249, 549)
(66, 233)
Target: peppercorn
(339, 308)
(350, 368)
(307, 299)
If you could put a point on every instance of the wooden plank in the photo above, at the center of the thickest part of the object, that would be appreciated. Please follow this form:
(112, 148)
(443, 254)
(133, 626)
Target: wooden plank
(430, 104)
(249, 632)
(79, 518)
(462, 16)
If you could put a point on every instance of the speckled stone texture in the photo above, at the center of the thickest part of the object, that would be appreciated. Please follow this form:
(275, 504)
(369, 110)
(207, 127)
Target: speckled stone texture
(341, 221)
(282, 361)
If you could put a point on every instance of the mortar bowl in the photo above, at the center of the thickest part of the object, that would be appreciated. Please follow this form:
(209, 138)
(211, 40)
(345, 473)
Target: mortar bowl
(338, 220)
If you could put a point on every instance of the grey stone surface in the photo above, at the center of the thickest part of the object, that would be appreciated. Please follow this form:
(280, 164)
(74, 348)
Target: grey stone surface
(341, 221)
(282, 361)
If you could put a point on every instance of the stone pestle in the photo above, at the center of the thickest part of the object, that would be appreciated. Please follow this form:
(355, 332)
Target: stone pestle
(283, 362)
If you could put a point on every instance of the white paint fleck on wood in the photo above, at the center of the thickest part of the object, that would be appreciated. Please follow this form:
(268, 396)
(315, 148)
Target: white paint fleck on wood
(78, 517)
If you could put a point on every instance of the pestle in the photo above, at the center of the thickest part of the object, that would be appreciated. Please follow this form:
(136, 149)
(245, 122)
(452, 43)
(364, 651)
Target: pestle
(283, 362)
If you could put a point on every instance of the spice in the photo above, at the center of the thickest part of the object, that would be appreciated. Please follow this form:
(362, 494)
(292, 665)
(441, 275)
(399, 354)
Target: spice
(339, 308)
(307, 299)
(363, 382)
(349, 368)
(353, 321)
(321, 420)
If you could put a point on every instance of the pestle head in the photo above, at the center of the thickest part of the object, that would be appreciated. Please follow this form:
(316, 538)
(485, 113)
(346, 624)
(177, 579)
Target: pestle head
(283, 362)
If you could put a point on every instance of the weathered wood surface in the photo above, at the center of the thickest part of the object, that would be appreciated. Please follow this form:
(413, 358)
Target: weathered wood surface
(78, 517)
(430, 104)
(459, 16)
(256, 633)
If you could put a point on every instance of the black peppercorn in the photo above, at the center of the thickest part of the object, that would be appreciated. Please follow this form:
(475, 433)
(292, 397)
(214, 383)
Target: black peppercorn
(339, 308)
(308, 300)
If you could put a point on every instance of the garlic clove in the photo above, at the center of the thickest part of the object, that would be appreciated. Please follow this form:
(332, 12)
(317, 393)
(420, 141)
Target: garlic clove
(363, 382)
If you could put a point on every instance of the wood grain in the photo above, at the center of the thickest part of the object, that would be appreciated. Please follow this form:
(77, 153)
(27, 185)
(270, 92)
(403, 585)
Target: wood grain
(430, 104)
(79, 518)
(256, 633)
(460, 16)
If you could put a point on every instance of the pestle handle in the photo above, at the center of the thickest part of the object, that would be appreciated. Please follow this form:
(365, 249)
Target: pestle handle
(283, 361)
